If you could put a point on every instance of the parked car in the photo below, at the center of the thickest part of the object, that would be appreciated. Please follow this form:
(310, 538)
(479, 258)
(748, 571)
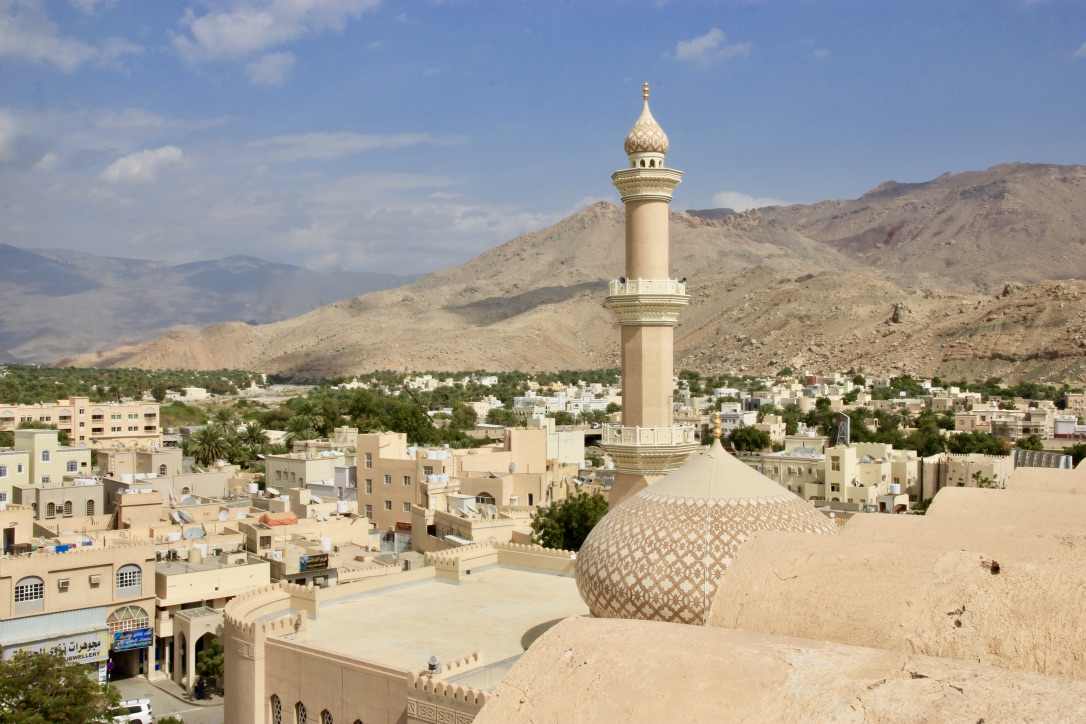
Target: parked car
(134, 711)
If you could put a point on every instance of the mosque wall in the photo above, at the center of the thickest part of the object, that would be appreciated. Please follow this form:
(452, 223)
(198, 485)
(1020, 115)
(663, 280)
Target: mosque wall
(1010, 505)
(1008, 612)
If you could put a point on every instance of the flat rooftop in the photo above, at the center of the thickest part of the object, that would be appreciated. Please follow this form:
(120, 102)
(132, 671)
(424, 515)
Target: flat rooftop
(497, 611)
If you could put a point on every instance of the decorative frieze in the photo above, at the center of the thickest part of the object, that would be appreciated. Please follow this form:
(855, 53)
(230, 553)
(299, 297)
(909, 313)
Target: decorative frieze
(635, 184)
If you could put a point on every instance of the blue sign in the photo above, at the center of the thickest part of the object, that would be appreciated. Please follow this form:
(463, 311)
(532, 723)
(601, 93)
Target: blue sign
(128, 640)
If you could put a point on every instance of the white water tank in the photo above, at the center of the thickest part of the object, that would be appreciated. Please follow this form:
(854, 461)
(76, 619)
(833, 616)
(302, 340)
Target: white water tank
(195, 556)
(342, 506)
(895, 489)
(326, 544)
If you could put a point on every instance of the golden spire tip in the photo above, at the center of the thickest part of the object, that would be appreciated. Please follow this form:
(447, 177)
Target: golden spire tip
(716, 426)
(645, 92)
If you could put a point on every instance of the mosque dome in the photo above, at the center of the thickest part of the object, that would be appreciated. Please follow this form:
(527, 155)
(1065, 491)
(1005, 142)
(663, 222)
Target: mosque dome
(646, 136)
(659, 554)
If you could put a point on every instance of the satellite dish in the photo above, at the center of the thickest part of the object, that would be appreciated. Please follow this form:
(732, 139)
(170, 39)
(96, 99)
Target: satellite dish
(315, 499)
(241, 514)
(190, 500)
(512, 467)
(176, 518)
(184, 515)
(193, 533)
(224, 515)
(41, 540)
(432, 663)
(271, 491)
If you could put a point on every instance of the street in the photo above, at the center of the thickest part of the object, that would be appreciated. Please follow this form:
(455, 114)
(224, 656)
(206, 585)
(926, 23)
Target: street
(165, 705)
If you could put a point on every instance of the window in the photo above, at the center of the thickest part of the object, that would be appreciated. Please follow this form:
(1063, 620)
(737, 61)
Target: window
(388, 480)
(46, 479)
(45, 456)
(369, 485)
(300, 712)
(406, 479)
(162, 469)
(278, 474)
(388, 505)
(326, 717)
(835, 488)
(427, 469)
(407, 507)
(369, 511)
(369, 460)
(51, 510)
(29, 595)
(67, 509)
(277, 710)
(90, 507)
(184, 491)
(3, 471)
(293, 477)
(72, 466)
(485, 499)
(835, 462)
(19, 468)
(129, 580)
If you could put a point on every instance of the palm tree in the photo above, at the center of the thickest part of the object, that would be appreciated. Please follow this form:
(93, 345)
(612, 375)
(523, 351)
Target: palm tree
(253, 436)
(208, 445)
(225, 420)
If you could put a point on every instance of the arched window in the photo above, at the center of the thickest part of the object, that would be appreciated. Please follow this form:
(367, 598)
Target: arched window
(128, 618)
(45, 456)
(72, 466)
(300, 713)
(90, 507)
(129, 581)
(326, 717)
(3, 471)
(67, 508)
(51, 510)
(162, 469)
(277, 710)
(30, 595)
(485, 498)
(184, 491)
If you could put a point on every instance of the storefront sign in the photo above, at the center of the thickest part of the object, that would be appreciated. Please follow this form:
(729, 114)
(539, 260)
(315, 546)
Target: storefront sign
(126, 640)
(313, 562)
(81, 647)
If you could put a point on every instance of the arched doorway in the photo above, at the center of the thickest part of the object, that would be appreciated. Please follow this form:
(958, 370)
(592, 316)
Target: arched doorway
(130, 635)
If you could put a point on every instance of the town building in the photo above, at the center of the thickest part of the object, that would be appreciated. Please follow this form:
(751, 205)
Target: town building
(97, 424)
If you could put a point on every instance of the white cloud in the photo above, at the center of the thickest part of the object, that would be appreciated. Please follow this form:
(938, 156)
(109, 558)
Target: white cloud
(744, 202)
(245, 27)
(324, 145)
(27, 32)
(707, 49)
(1081, 52)
(142, 165)
(271, 69)
(9, 131)
(47, 162)
(819, 54)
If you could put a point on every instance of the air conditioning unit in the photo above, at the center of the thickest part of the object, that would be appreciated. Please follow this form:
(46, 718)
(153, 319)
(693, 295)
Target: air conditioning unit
(95, 580)
(62, 584)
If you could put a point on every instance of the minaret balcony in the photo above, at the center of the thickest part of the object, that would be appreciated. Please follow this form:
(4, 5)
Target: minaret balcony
(647, 301)
(649, 450)
(646, 184)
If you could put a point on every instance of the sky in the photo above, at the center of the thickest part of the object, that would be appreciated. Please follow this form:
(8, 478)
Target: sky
(407, 136)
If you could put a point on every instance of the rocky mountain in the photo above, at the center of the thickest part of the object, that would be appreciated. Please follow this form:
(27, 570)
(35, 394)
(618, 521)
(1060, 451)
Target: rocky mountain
(974, 274)
(58, 302)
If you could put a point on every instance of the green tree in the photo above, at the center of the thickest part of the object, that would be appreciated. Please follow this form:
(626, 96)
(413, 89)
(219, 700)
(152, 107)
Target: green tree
(208, 445)
(749, 439)
(501, 416)
(1077, 452)
(225, 420)
(565, 524)
(561, 417)
(62, 435)
(45, 689)
(983, 481)
(1033, 442)
(158, 391)
(210, 662)
(253, 437)
(464, 417)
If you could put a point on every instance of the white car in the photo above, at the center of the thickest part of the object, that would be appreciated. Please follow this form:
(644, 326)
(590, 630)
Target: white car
(134, 711)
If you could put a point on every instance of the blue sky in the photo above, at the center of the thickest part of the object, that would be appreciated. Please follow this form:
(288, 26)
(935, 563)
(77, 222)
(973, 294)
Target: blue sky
(409, 136)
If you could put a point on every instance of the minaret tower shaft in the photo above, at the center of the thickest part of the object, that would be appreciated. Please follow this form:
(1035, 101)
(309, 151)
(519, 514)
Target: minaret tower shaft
(646, 302)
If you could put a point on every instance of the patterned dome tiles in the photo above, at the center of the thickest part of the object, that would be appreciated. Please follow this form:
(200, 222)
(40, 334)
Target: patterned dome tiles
(659, 557)
(646, 136)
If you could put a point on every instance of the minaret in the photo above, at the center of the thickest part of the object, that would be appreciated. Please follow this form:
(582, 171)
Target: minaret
(646, 302)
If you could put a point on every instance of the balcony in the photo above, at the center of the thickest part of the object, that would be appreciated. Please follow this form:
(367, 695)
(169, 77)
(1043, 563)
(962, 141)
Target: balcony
(647, 301)
(649, 450)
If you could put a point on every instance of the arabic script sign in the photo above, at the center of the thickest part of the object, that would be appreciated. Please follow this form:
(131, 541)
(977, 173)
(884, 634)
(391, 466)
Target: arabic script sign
(313, 562)
(81, 647)
(137, 639)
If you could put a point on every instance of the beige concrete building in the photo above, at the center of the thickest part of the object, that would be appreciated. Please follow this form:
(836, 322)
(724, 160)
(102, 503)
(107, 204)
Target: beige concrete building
(646, 302)
(99, 424)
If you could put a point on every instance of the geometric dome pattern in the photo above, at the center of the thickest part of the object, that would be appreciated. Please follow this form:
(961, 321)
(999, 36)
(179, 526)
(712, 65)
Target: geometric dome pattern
(659, 555)
(646, 136)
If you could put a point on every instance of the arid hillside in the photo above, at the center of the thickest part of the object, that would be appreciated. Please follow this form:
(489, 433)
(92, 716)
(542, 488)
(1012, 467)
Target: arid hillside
(974, 274)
